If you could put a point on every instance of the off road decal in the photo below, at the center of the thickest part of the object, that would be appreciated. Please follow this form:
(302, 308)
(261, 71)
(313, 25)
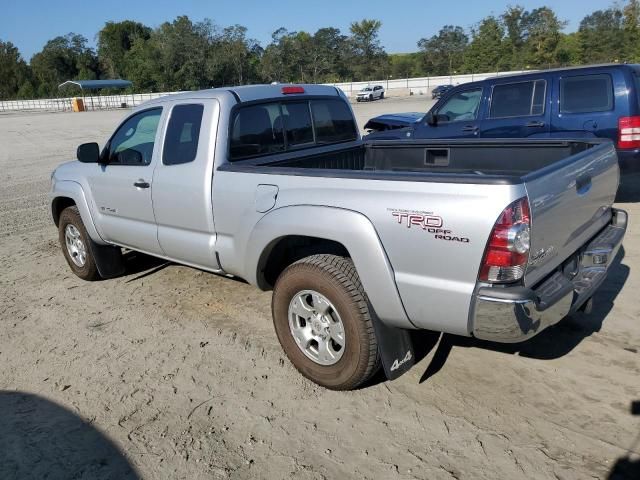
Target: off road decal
(427, 221)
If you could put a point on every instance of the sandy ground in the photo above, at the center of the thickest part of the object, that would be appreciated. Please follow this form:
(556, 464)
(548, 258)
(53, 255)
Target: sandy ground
(170, 372)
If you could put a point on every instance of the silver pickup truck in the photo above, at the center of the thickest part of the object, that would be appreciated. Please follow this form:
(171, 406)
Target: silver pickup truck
(360, 242)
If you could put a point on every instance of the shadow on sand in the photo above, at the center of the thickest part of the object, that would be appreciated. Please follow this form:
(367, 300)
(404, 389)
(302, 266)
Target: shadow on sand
(41, 439)
(627, 467)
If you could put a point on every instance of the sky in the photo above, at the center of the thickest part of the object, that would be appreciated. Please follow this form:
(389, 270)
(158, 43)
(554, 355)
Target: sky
(29, 24)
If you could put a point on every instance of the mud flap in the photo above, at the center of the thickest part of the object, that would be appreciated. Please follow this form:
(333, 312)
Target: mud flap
(108, 259)
(394, 346)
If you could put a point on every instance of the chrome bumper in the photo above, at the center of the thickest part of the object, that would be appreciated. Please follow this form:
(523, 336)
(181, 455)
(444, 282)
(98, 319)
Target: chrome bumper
(514, 314)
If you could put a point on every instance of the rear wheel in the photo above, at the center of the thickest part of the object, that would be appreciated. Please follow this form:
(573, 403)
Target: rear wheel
(322, 320)
(75, 243)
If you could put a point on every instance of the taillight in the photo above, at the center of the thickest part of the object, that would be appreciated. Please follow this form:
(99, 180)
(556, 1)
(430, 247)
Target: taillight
(629, 132)
(507, 252)
(292, 90)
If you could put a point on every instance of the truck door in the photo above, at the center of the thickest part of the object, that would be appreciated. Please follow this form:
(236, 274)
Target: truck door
(121, 187)
(518, 109)
(182, 184)
(457, 116)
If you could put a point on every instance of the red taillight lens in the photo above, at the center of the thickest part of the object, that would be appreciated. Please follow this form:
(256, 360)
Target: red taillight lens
(507, 252)
(290, 90)
(629, 132)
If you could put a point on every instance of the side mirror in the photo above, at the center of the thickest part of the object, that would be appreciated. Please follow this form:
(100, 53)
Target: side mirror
(88, 153)
(431, 119)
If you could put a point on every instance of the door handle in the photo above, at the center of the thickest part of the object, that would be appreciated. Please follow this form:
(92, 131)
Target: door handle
(535, 124)
(141, 184)
(470, 128)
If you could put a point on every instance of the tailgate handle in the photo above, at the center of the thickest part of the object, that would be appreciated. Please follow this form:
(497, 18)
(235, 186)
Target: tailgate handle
(583, 183)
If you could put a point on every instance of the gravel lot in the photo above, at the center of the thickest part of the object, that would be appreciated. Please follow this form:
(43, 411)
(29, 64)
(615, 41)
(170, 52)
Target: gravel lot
(170, 372)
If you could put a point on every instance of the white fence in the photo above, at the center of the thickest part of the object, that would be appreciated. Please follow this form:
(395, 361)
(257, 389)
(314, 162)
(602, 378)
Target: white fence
(393, 86)
(419, 86)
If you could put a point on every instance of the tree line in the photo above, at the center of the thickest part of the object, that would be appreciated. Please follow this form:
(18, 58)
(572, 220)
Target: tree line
(187, 55)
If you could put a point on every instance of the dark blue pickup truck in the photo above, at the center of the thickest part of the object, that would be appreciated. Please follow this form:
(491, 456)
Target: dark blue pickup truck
(592, 101)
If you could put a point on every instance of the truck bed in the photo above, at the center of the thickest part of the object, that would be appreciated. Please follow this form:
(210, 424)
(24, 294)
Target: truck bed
(459, 161)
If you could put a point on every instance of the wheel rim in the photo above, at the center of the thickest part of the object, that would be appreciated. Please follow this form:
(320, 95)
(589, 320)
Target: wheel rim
(75, 246)
(316, 327)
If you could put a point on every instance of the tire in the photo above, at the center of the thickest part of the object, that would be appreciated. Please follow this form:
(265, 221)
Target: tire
(382, 96)
(335, 279)
(371, 98)
(71, 221)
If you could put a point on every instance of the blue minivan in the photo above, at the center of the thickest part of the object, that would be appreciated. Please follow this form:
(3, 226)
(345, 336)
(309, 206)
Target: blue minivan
(599, 100)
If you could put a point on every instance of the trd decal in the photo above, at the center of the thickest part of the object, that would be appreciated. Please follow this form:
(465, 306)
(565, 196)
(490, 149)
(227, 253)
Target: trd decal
(428, 222)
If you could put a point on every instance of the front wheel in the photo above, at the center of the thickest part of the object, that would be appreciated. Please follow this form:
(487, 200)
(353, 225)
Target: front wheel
(75, 243)
(323, 323)
(382, 96)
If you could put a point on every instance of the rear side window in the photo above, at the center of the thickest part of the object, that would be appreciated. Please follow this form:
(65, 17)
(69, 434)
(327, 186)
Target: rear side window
(183, 132)
(257, 130)
(297, 123)
(275, 127)
(333, 121)
(587, 93)
(521, 99)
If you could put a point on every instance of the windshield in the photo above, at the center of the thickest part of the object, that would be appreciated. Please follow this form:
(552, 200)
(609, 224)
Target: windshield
(366, 89)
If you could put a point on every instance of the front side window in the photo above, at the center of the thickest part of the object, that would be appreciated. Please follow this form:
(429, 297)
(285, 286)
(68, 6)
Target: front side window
(132, 144)
(461, 106)
(183, 132)
(520, 99)
(586, 93)
(275, 127)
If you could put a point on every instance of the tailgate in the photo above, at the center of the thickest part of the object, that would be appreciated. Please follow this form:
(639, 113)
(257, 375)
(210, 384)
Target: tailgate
(570, 202)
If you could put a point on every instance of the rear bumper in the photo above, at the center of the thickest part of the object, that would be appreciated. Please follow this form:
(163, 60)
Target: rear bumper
(514, 314)
(629, 161)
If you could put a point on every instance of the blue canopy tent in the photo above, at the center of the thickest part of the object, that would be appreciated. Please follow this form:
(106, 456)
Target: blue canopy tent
(98, 85)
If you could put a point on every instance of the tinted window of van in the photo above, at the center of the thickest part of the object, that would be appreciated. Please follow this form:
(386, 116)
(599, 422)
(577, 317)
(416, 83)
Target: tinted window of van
(586, 93)
(275, 127)
(183, 132)
(520, 99)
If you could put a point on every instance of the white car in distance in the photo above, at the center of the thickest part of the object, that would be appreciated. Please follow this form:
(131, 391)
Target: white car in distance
(370, 93)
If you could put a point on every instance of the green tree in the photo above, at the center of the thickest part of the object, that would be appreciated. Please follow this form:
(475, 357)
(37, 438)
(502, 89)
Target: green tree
(631, 24)
(443, 54)
(63, 58)
(543, 31)
(14, 72)
(601, 36)
(239, 55)
(487, 51)
(115, 39)
(368, 57)
(568, 51)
